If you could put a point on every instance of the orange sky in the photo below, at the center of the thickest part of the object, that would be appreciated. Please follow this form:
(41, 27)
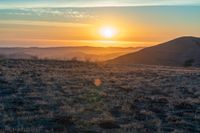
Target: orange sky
(135, 26)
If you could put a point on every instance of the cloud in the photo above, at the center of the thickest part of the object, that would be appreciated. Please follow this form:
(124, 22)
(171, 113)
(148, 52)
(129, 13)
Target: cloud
(67, 14)
(92, 3)
(43, 23)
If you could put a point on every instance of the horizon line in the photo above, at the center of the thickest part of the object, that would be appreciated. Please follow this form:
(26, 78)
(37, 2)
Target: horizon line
(70, 46)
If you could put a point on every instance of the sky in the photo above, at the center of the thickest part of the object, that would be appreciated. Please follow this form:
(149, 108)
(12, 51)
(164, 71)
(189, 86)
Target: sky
(49, 23)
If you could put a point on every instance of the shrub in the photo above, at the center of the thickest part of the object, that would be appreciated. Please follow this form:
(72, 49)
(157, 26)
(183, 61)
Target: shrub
(188, 63)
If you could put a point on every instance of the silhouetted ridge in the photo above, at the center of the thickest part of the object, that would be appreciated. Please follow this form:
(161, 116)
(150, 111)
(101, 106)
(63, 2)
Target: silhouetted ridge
(177, 52)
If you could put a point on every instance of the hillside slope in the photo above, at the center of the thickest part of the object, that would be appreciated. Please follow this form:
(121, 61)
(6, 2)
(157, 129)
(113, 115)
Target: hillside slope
(183, 51)
(66, 97)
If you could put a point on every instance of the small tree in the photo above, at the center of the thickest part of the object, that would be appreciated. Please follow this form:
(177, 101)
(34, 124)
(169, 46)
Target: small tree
(74, 59)
(88, 59)
(189, 62)
(35, 58)
(2, 57)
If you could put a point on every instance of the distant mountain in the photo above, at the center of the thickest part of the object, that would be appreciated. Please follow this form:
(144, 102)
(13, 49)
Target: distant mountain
(66, 53)
(17, 56)
(183, 51)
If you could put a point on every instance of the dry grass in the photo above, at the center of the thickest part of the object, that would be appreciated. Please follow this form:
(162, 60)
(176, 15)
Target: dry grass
(55, 96)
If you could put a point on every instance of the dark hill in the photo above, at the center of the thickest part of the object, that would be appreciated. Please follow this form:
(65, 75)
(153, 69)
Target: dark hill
(183, 51)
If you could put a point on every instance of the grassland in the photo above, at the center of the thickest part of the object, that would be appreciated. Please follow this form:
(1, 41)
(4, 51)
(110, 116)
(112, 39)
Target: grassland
(77, 97)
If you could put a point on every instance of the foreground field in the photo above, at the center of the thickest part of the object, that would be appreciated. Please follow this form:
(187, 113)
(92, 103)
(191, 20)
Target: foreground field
(73, 97)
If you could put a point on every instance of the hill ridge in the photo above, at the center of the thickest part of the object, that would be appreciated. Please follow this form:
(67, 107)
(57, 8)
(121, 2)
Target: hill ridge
(175, 52)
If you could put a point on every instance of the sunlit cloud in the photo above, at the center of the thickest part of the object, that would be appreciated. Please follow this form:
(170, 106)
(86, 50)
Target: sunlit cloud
(16, 42)
(43, 23)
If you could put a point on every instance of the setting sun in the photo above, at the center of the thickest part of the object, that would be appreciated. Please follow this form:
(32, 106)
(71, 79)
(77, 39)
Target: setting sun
(108, 32)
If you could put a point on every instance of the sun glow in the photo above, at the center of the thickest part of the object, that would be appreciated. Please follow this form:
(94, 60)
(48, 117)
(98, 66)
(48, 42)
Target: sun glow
(108, 32)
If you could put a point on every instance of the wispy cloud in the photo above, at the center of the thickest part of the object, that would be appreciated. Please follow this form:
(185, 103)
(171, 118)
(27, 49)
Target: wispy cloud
(64, 14)
(43, 23)
(92, 3)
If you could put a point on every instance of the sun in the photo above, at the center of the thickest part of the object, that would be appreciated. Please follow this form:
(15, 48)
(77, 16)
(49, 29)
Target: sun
(108, 32)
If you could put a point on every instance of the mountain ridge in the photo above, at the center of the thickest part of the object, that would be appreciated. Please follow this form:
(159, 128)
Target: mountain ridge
(176, 52)
(66, 53)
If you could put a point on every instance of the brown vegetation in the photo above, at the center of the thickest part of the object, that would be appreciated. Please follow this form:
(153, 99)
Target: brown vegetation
(72, 96)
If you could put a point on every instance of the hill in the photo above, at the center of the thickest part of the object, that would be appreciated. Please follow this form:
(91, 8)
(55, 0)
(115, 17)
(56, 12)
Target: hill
(17, 56)
(66, 53)
(183, 51)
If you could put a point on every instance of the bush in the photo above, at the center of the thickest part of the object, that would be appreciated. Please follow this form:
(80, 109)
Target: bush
(189, 62)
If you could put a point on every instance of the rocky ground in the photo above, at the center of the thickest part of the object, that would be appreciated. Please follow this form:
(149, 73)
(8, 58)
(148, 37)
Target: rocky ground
(77, 97)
